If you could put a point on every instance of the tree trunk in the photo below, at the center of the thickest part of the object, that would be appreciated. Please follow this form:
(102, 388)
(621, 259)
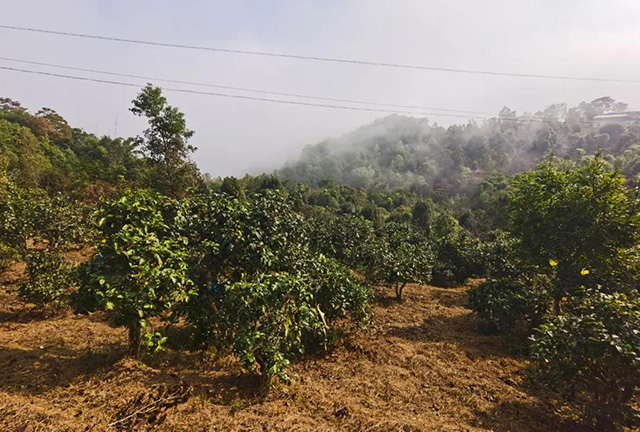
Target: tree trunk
(135, 336)
(24, 249)
(556, 306)
(399, 289)
(265, 380)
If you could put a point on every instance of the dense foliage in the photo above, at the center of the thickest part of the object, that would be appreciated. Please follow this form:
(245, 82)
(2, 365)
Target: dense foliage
(38, 229)
(279, 316)
(597, 347)
(240, 271)
(270, 269)
(42, 150)
(139, 269)
(399, 152)
(571, 267)
(509, 305)
(579, 226)
(49, 279)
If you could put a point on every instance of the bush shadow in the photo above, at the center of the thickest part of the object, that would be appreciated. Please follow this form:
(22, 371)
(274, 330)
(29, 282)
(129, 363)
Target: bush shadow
(25, 315)
(522, 415)
(459, 331)
(36, 371)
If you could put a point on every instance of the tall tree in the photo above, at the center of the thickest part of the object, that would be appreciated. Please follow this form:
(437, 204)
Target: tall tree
(164, 143)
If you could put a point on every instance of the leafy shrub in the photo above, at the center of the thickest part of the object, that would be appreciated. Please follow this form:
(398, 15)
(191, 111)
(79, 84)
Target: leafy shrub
(499, 257)
(233, 236)
(20, 212)
(336, 290)
(456, 257)
(576, 218)
(139, 269)
(52, 222)
(49, 279)
(508, 305)
(63, 222)
(271, 320)
(344, 238)
(261, 290)
(234, 239)
(274, 235)
(595, 345)
(8, 256)
(401, 254)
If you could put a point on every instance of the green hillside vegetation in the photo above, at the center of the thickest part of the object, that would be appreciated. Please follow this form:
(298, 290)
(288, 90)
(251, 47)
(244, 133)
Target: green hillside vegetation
(273, 268)
(446, 163)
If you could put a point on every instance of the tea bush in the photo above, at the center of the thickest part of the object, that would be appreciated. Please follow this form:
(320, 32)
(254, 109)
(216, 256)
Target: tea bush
(509, 305)
(49, 279)
(139, 269)
(400, 255)
(272, 320)
(596, 346)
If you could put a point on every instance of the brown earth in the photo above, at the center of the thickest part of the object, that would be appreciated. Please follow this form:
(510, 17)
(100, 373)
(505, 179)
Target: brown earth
(424, 366)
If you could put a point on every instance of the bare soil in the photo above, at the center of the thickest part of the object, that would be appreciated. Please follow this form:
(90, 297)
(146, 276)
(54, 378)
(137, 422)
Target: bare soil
(425, 365)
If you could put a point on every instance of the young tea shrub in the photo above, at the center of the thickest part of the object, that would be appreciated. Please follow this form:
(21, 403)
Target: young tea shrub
(455, 253)
(8, 256)
(139, 269)
(336, 290)
(32, 216)
(596, 347)
(402, 254)
(50, 278)
(570, 221)
(21, 213)
(272, 320)
(63, 222)
(509, 305)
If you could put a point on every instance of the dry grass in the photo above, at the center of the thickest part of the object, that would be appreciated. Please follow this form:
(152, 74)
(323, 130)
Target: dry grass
(424, 366)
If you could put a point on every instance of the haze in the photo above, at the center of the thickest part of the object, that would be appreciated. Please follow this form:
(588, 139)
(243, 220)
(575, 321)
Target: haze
(578, 37)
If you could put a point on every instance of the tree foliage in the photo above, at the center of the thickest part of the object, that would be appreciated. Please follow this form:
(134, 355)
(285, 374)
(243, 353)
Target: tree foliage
(139, 269)
(574, 223)
(596, 347)
(165, 143)
(453, 163)
(509, 305)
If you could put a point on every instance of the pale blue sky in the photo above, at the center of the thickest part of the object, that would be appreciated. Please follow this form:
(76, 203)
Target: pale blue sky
(570, 37)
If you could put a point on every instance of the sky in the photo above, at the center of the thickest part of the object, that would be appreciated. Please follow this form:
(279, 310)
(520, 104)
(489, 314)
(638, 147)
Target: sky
(234, 137)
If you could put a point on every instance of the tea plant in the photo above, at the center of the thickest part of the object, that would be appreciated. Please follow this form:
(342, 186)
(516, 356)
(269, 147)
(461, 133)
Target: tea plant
(139, 269)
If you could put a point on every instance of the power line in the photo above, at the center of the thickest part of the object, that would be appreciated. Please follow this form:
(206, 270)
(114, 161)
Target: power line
(315, 58)
(296, 95)
(282, 101)
(234, 96)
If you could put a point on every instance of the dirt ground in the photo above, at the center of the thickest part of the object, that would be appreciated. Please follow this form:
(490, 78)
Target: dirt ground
(425, 365)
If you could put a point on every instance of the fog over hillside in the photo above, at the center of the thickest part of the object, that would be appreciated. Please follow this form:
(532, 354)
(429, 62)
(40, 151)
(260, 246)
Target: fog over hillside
(399, 151)
(583, 38)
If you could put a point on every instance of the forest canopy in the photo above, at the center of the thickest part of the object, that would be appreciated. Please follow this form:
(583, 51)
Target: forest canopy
(400, 152)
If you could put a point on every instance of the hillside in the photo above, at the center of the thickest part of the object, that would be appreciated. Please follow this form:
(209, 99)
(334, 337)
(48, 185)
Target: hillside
(400, 152)
(165, 299)
(422, 366)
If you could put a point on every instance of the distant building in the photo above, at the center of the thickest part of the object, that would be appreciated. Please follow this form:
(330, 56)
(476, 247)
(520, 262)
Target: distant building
(625, 118)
